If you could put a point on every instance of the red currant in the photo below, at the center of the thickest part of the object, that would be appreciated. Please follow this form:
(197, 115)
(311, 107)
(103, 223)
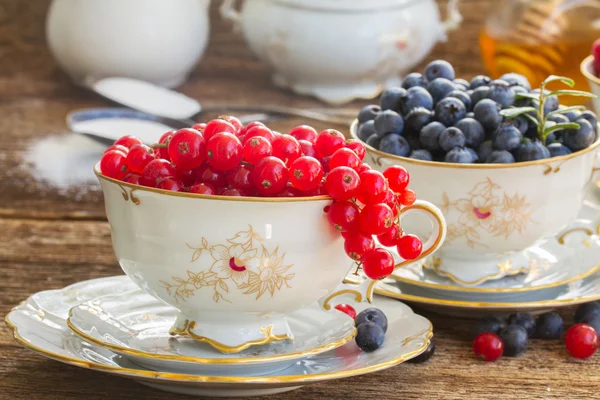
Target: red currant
(231, 192)
(408, 197)
(307, 148)
(378, 263)
(325, 163)
(357, 245)
(392, 201)
(304, 132)
(343, 215)
(199, 127)
(286, 148)
(488, 346)
(328, 142)
(187, 148)
(224, 151)
(205, 174)
(344, 158)
(132, 178)
(306, 173)
(170, 183)
(202, 188)
(259, 131)
(119, 147)
(163, 152)
(240, 178)
(397, 177)
(217, 126)
(128, 141)
(357, 147)
(409, 247)
(581, 340)
(390, 237)
(286, 193)
(249, 126)
(342, 183)
(375, 219)
(362, 168)
(346, 309)
(155, 170)
(187, 176)
(270, 176)
(373, 187)
(138, 157)
(114, 164)
(233, 121)
(256, 148)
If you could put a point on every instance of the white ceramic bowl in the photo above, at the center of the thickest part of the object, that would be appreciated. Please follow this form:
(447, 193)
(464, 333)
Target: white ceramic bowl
(587, 69)
(234, 266)
(495, 211)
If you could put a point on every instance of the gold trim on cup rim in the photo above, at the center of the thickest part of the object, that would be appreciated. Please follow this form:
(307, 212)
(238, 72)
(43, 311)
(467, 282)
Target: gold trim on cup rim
(584, 67)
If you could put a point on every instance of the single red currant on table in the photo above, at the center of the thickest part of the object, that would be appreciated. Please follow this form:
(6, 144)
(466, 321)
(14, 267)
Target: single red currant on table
(187, 149)
(488, 346)
(346, 309)
(581, 341)
(306, 173)
(224, 151)
(114, 164)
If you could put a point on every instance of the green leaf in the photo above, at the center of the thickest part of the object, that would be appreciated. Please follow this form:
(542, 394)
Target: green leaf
(515, 112)
(553, 78)
(532, 96)
(560, 127)
(532, 119)
(578, 93)
(565, 110)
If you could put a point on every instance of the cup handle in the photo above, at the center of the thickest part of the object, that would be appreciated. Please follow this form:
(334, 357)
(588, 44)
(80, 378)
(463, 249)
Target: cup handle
(228, 12)
(364, 290)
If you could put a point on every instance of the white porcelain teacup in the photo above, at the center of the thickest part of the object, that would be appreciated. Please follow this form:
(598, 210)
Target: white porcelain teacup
(234, 266)
(495, 211)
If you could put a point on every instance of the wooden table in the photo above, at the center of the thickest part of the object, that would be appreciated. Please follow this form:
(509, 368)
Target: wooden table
(49, 239)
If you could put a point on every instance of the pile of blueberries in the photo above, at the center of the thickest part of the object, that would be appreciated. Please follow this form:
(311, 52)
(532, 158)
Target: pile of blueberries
(436, 117)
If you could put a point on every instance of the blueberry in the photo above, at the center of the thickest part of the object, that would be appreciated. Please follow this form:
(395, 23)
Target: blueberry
(590, 117)
(507, 137)
(470, 114)
(430, 136)
(479, 94)
(473, 131)
(502, 93)
(558, 149)
(416, 119)
(459, 155)
(484, 150)
(415, 97)
(487, 112)
(439, 88)
(421, 154)
(490, 323)
(526, 320)
(473, 154)
(413, 141)
(572, 115)
(414, 79)
(530, 150)
(532, 130)
(519, 122)
(368, 113)
(439, 69)
(462, 82)
(515, 340)
(586, 310)
(551, 104)
(558, 118)
(388, 121)
(578, 139)
(500, 157)
(370, 336)
(390, 98)
(374, 315)
(366, 130)
(450, 110)
(519, 90)
(462, 96)
(515, 79)
(450, 138)
(394, 144)
(592, 320)
(424, 356)
(549, 326)
(374, 141)
(480, 80)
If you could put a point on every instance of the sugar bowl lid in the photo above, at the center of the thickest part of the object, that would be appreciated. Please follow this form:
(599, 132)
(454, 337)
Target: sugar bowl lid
(344, 6)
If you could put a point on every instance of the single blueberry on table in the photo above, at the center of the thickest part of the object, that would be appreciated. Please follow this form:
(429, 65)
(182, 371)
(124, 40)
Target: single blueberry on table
(390, 98)
(462, 96)
(485, 149)
(520, 122)
(439, 88)
(459, 155)
(421, 154)
(366, 129)
(394, 144)
(515, 79)
(370, 336)
(487, 112)
(374, 315)
(430, 136)
(388, 121)
(590, 117)
(479, 94)
(579, 139)
(414, 79)
(502, 93)
(480, 80)
(515, 340)
(450, 110)
(587, 309)
(592, 320)
(531, 150)
(507, 137)
(462, 84)
(525, 320)
(500, 157)
(558, 149)
(473, 131)
(426, 355)
(416, 119)
(450, 138)
(549, 326)
(491, 323)
(415, 97)
(439, 69)
(374, 141)
(368, 113)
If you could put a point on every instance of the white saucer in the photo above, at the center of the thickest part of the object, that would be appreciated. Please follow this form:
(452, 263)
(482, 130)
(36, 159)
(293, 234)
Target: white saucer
(44, 331)
(136, 325)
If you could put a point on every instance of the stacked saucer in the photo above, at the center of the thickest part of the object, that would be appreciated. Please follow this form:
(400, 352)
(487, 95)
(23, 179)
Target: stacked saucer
(110, 325)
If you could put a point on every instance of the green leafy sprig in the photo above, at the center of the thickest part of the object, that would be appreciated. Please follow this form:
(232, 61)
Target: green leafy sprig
(541, 120)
